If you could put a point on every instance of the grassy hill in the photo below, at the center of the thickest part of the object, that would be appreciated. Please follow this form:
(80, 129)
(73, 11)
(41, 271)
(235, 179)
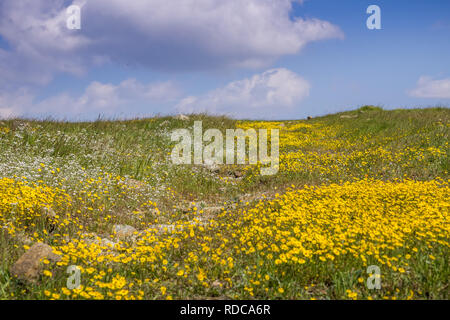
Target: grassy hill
(354, 189)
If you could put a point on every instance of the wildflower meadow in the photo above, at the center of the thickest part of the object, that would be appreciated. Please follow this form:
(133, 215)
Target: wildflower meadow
(361, 190)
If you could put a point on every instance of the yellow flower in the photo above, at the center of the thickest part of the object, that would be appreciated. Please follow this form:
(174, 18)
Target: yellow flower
(47, 273)
(66, 291)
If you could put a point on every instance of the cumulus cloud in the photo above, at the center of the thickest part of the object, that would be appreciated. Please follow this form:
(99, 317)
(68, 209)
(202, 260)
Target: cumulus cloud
(39, 42)
(200, 33)
(129, 96)
(14, 103)
(171, 35)
(168, 35)
(429, 88)
(269, 94)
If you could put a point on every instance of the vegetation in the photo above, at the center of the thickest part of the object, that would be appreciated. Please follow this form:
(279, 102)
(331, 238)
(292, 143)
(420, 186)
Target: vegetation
(354, 189)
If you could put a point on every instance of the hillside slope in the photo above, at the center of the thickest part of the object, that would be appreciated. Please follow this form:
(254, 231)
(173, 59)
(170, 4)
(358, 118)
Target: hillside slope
(354, 189)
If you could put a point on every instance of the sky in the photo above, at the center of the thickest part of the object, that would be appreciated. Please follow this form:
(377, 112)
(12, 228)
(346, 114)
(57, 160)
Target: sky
(257, 59)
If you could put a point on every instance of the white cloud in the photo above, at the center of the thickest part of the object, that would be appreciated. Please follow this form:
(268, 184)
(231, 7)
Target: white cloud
(13, 103)
(39, 43)
(429, 88)
(201, 33)
(175, 35)
(129, 96)
(6, 113)
(269, 94)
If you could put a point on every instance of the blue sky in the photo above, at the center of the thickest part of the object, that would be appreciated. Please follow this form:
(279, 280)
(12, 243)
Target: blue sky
(245, 58)
(375, 66)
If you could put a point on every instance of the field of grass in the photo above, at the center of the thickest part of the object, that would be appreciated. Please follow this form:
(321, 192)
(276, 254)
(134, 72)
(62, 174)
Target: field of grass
(354, 189)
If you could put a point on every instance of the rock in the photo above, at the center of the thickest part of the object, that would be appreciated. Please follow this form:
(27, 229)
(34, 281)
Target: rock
(164, 123)
(211, 165)
(214, 168)
(217, 284)
(49, 212)
(29, 265)
(107, 243)
(308, 117)
(89, 235)
(50, 216)
(23, 238)
(164, 228)
(238, 173)
(182, 117)
(124, 232)
(185, 208)
(90, 238)
(212, 210)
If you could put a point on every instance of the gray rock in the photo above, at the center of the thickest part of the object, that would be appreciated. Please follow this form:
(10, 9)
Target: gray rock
(124, 232)
(164, 228)
(108, 243)
(49, 212)
(238, 173)
(211, 165)
(29, 266)
(182, 117)
(23, 238)
(217, 284)
(211, 212)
